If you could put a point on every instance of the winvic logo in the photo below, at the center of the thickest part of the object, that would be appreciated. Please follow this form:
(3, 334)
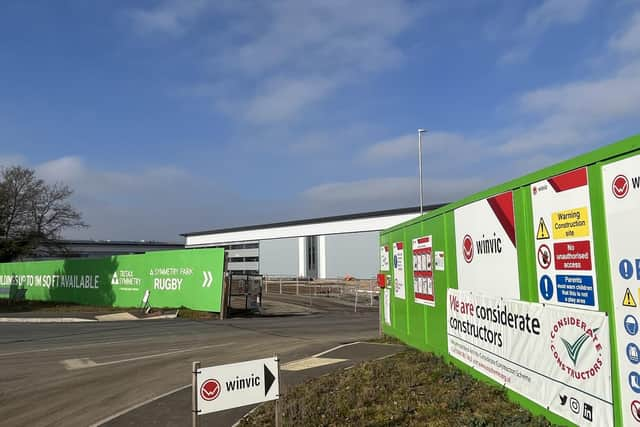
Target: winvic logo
(484, 246)
(467, 248)
(571, 341)
(620, 185)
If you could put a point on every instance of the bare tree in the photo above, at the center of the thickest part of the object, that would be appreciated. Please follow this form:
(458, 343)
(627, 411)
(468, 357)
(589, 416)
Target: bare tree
(33, 214)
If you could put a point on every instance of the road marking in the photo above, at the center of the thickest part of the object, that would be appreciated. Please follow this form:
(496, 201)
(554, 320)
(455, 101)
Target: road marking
(83, 363)
(336, 348)
(45, 320)
(309, 363)
(68, 347)
(139, 405)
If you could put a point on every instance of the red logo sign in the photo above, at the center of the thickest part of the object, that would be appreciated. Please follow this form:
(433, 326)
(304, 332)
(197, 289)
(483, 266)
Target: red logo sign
(544, 256)
(620, 186)
(572, 255)
(467, 248)
(210, 390)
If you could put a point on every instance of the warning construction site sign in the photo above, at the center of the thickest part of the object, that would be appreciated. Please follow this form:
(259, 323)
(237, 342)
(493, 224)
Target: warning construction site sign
(564, 240)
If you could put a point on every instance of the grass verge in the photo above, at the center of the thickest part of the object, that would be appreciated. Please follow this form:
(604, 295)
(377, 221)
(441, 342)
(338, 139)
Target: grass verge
(411, 388)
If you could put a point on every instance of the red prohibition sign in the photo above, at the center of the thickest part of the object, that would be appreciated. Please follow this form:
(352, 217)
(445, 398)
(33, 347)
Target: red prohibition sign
(620, 186)
(210, 390)
(544, 256)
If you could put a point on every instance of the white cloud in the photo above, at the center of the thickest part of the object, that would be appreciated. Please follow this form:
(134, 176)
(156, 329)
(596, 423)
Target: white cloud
(547, 14)
(406, 146)
(628, 40)
(516, 55)
(12, 160)
(391, 192)
(284, 98)
(551, 12)
(271, 60)
(147, 204)
(171, 17)
(613, 97)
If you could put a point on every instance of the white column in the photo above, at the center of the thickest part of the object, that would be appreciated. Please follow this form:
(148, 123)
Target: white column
(302, 257)
(322, 257)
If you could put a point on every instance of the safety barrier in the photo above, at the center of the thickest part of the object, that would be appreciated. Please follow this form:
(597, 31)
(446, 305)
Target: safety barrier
(359, 292)
(533, 285)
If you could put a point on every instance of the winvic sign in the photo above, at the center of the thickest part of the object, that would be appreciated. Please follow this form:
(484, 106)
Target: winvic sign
(181, 278)
(541, 290)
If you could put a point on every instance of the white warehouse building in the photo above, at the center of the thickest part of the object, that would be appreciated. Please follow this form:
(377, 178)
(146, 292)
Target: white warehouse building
(318, 248)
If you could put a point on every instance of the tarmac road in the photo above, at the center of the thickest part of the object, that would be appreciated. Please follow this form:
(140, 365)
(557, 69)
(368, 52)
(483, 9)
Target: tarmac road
(76, 374)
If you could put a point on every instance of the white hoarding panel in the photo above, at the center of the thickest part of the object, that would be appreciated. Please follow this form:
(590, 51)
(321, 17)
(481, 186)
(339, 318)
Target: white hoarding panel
(564, 241)
(621, 181)
(398, 270)
(486, 247)
(237, 384)
(384, 258)
(554, 356)
(423, 287)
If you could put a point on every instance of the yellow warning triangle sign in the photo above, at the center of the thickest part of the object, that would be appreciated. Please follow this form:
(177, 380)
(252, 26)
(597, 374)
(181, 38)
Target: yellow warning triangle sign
(543, 232)
(628, 300)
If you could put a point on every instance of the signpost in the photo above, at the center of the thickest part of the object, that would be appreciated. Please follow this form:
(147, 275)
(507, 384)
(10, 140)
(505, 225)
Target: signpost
(217, 388)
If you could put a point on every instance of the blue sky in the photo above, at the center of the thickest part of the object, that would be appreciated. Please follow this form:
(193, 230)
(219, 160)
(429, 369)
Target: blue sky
(174, 116)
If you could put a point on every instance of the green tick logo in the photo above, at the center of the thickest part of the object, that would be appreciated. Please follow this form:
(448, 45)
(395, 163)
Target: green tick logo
(573, 349)
(591, 360)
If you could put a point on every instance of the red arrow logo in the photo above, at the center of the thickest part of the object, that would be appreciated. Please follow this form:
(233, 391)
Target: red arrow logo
(620, 186)
(210, 390)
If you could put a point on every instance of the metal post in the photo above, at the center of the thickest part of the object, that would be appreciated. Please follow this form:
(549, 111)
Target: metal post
(297, 289)
(195, 369)
(355, 305)
(420, 132)
(278, 408)
(280, 285)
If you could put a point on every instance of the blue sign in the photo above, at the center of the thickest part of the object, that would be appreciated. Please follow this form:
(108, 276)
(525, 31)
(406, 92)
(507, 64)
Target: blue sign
(626, 269)
(633, 353)
(546, 287)
(395, 261)
(631, 324)
(634, 381)
(575, 289)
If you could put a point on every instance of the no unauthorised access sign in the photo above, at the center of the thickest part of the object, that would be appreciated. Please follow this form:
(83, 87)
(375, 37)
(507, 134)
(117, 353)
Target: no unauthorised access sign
(237, 384)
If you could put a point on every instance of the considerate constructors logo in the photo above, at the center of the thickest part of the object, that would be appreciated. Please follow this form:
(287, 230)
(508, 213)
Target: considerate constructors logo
(576, 348)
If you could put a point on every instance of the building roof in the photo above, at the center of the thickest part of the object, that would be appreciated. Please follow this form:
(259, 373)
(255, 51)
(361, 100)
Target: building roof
(357, 222)
(361, 215)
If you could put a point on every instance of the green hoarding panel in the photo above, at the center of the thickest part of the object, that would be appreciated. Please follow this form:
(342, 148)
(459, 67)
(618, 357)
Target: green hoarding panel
(559, 246)
(181, 278)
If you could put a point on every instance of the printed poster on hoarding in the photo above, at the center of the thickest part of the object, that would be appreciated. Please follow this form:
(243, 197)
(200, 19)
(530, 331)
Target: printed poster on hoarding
(423, 289)
(384, 258)
(555, 356)
(387, 306)
(398, 270)
(564, 241)
(486, 247)
(439, 260)
(621, 187)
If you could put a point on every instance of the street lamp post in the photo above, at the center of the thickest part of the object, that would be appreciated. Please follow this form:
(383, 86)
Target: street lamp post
(420, 132)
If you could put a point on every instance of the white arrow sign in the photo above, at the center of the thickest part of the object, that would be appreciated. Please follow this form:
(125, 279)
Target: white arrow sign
(238, 384)
(208, 279)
